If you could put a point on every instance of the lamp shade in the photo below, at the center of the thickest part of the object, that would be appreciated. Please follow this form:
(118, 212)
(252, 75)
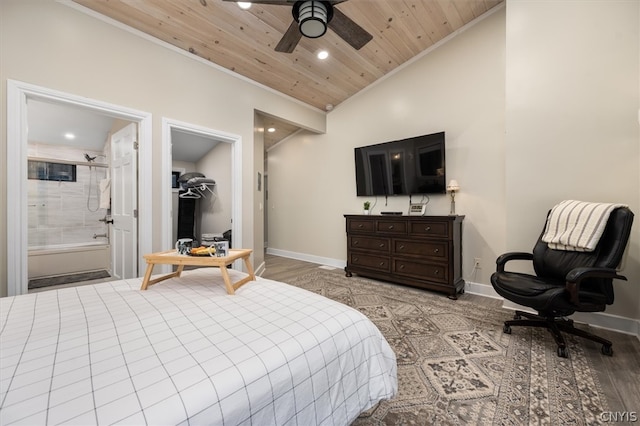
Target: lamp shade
(453, 185)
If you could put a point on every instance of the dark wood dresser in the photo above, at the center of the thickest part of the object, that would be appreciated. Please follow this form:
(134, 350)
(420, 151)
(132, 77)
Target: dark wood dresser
(419, 251)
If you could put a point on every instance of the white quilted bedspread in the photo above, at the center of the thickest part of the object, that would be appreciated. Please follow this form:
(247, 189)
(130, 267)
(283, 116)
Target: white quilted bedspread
(185, 352)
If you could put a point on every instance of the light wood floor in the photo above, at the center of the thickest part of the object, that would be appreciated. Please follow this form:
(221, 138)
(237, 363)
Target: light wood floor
(619, 375)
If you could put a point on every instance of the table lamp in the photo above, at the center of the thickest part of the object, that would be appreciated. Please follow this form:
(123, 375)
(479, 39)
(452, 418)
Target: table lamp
(452, 188)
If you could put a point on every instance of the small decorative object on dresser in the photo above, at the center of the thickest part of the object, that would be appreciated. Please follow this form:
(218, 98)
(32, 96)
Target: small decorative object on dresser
(366, 206)
(452, 188)
(419, 251)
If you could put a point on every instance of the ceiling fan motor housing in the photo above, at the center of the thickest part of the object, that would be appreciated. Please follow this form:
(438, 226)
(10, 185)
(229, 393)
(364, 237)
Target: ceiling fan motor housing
(312, 17)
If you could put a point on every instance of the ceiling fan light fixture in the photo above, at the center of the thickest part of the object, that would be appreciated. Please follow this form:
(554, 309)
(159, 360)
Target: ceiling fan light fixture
(312, 17)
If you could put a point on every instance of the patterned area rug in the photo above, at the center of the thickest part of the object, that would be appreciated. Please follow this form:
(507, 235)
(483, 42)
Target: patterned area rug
(457, 367)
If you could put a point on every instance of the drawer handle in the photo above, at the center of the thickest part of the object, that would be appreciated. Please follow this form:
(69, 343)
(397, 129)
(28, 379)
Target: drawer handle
(428, 229)
(355, 259)
(360, 226)
(402, 266)
(436, 272)
(381, 245)
(436, 250)
(401, 247)
(356, 242)
(390, 226)
(381, 263)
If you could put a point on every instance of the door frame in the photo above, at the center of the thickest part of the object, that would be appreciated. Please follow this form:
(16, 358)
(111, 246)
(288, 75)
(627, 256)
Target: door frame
(16, 174)
(168, 125)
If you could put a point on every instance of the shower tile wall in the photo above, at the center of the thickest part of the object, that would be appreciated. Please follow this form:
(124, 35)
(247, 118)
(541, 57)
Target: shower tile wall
(59, 212)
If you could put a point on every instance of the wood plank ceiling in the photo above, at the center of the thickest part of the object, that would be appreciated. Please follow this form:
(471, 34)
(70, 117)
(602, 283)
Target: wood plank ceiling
(243, 41)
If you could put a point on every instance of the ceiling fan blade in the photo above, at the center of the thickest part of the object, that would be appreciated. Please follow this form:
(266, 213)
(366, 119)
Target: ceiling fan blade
(290, 39)
(348, 30)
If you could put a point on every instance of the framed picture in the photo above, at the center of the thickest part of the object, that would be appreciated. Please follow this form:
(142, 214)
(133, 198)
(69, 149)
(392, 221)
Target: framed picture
(174, 180)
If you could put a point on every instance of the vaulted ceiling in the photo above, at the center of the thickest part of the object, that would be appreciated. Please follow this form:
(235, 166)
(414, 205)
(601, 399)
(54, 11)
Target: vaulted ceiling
(244, 41)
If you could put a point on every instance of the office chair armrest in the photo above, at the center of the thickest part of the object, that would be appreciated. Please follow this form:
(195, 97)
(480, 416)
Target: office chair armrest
(513, 255)
(575, 277)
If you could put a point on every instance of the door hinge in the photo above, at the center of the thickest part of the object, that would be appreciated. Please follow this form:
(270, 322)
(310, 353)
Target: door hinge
(135, 213)
(135, 145)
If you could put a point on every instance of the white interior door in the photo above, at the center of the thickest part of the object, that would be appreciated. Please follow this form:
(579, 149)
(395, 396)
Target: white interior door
(124, 203)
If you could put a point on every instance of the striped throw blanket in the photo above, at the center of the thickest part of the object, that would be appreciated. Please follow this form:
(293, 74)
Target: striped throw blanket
(577, 225)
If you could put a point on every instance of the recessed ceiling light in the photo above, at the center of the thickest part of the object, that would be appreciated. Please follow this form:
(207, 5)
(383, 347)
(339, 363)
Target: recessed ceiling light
(323, 54)
(69, 136)
(244, 4)
(271, 129)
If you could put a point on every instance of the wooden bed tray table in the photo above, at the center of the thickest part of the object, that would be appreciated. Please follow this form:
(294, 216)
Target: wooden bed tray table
(171, 257)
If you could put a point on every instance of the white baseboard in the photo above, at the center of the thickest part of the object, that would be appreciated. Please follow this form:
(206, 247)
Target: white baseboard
(596, 319)
(481, 290)
(260, 269)
(336, 263)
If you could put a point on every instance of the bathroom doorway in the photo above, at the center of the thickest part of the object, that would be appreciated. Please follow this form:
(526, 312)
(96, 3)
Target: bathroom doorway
(68, 163)
(19, 96)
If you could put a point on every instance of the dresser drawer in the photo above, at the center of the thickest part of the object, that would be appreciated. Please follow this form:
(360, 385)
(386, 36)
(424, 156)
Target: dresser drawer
(378, 263)
(430, 228)
(392, 226)
(434, 249)
(357, 242)
(426, 271)
(360, 225)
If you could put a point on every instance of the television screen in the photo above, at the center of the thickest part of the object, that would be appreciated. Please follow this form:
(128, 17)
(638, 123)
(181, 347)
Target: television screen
(403, 167)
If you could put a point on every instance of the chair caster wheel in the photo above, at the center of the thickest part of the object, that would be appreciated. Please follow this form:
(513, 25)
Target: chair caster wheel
(563, 352)
(506, 329)
(607, 350)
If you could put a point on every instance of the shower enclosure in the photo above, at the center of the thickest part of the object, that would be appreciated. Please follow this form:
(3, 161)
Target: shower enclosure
(68, 210)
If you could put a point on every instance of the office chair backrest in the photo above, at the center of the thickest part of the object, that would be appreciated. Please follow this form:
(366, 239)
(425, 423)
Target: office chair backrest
(555, 264)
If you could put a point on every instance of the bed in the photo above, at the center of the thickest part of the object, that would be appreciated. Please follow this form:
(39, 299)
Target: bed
(185, 352)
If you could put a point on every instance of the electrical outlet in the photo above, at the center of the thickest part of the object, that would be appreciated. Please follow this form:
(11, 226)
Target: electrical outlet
(476, 263)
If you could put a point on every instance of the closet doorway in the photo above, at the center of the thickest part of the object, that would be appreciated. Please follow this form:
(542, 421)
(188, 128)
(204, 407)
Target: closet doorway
(188, 148)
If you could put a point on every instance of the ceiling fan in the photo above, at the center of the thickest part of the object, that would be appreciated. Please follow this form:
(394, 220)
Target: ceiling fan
(311, 18)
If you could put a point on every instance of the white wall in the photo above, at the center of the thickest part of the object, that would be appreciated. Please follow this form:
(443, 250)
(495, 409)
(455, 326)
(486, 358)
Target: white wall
(216, 209)
(312, 178)
(572, 103)
(54, 45)
(539, 104)
(258, 194)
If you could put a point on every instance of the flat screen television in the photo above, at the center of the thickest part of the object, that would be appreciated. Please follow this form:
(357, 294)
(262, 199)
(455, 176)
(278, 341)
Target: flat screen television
(404, 167)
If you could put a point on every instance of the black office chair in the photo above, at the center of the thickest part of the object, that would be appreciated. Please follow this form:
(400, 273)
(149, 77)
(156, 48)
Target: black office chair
(566, 282)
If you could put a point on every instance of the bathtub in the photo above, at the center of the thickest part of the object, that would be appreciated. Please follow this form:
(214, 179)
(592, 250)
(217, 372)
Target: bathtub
(62, 259)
